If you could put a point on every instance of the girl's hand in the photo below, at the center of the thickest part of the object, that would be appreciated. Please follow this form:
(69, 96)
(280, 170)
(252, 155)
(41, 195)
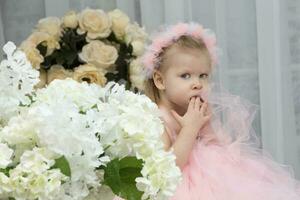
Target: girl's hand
(196, 116)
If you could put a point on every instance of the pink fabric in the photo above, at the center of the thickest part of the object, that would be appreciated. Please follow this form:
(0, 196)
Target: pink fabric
(226, 164)
(180, 29)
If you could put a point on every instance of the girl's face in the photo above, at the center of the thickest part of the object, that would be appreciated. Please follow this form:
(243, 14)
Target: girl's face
(186, 74)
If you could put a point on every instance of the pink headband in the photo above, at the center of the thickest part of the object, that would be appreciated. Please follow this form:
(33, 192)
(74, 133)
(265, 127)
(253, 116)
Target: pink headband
(170, 35)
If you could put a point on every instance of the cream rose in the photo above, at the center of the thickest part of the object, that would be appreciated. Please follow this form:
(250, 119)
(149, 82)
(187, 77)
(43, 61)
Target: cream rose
(135, 32)
(137, 77)
(99, 54)
(32, 54)
(135, 67)
(51, 42)
(70, 20)
(43, 79)
(96, 23)
(138, 47)
(50, 25)
(57, 72)
(138, 82)
(119, 23)
(90, 74)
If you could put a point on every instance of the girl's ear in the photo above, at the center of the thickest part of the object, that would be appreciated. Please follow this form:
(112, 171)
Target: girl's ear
(158, 80)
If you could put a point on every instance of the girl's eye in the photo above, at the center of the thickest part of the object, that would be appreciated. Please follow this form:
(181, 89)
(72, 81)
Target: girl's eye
(185, 76)
(203, 76)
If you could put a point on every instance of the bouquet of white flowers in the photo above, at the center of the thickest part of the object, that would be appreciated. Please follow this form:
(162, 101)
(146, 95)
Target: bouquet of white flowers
(91, 46)
(75, 140)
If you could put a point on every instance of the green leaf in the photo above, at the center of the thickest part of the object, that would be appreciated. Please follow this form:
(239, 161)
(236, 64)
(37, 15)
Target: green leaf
(120, 176)
(131, 161)
(62, 164)
(5, 171)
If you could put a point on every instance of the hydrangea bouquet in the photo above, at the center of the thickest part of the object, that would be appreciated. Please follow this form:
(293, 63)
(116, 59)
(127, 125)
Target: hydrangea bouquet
(91, 46)
(75, 140)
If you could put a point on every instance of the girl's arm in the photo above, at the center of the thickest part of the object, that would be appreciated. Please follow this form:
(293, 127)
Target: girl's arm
(166, 140)
(194, 119)
(183, 145)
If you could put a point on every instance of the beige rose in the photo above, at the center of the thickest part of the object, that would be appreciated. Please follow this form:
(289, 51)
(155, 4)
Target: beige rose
(51, 42)
(99, 54)
(90, 74)
(138, 47)
(50, 25)
(135, 32)
(70, 20)
(32, 54)
(96, 23)
(57, 72)
(119, 23)
(43, 79)
(138, 82)
(135, 67)
(136, 74)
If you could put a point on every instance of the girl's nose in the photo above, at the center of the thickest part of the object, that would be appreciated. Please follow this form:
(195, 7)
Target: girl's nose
(197, 85)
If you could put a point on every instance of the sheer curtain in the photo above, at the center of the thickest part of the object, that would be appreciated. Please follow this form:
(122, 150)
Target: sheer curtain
(260, 42)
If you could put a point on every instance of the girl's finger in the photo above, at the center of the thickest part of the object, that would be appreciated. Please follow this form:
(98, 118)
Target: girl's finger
(197, 104)
(192, 103)
(203, 108)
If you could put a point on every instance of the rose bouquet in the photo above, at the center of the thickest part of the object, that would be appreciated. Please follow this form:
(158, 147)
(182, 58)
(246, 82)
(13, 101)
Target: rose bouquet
(74, 140)
(91, 46)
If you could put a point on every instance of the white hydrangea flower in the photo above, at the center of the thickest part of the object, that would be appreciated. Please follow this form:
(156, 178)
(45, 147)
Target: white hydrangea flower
(77, 141)
(38, 160)
(20, 134)
(20, 130)
(79, 121)
(103, 193)
(17, 79)
(158, 176)
(76, 190)
(81, 129)
(34, 179)
(5, 155)
(134, 128)
(83, 95)
(5, 187)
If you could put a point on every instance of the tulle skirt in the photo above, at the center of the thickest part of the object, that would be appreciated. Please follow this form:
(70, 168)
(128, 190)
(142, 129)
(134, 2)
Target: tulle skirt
(220, 172)
(227, 163)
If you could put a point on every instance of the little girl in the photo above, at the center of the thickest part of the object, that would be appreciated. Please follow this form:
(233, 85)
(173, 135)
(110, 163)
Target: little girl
(209, 131)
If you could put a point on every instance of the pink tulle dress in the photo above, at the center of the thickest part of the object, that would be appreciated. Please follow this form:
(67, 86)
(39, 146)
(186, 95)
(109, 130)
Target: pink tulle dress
(226, 162)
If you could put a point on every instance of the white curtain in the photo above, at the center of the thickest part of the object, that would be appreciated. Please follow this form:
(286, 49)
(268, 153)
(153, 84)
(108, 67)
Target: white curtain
(260, 42)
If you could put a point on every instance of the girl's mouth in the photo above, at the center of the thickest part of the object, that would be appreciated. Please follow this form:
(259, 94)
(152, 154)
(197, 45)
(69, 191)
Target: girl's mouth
(201, 99)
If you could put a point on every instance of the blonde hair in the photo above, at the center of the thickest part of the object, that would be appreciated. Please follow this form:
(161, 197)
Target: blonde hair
(183, 42)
